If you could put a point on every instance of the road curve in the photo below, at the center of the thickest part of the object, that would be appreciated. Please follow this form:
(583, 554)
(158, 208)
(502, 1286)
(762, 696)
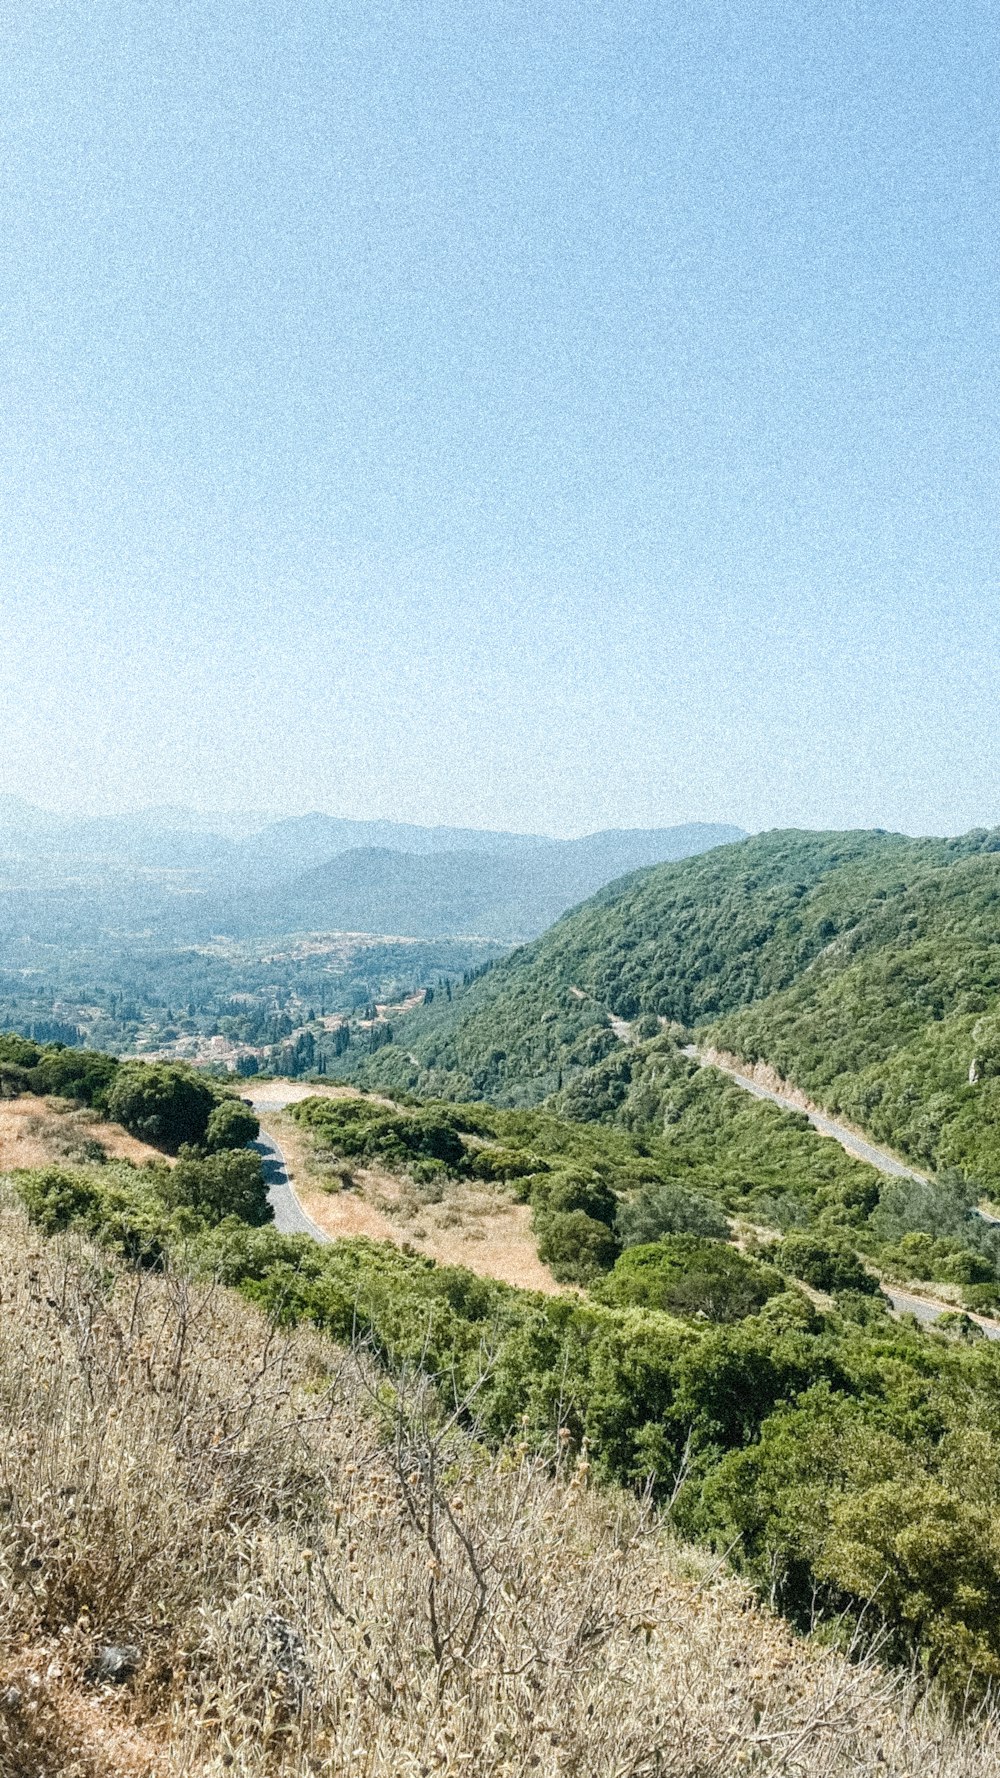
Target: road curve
(903, 1301)
(928, 1309)
(289, 1216)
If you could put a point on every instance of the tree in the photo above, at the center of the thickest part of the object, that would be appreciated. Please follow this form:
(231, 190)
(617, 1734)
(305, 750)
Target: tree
(826, 1265)
(667, 1209)
(162, 1103)
(230, 1183)
(231, 1125)
(576, 1246)
(687, 1275)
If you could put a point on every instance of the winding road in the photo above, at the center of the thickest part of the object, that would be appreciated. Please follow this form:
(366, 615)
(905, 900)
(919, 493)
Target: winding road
(926, 1309)
(863, 1150)
(291, 1219)
(289, 1216)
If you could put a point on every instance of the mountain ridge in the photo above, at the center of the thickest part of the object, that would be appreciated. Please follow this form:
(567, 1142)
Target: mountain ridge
(863, 966)
(150, 873)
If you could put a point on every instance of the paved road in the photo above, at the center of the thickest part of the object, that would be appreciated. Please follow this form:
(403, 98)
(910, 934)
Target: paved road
(289, 1216)
(927, 1310)
(854, 1144)
(924, 1308)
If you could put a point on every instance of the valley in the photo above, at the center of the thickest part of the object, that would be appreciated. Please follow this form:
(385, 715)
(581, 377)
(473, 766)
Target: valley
(632, 1182)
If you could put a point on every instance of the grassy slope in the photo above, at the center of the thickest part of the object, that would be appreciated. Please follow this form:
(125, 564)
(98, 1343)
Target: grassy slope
(180, 1480)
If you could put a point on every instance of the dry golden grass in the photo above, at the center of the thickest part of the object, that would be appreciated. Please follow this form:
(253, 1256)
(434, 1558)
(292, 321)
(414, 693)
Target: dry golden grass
(37, 1132)
(471, 1225)
(323, 1576)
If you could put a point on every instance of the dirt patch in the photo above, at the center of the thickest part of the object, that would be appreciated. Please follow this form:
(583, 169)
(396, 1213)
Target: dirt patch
(470, 1225)
(41, 1132)
(274, 1095)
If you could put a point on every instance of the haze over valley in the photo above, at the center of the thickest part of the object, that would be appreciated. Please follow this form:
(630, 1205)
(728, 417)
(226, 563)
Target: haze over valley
(235, 939)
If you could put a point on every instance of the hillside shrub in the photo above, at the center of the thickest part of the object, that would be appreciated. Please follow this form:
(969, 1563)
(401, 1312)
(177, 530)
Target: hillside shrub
(564, 1189)
(228, 1183)
(691, 1276)
(87, 1075)
(826, 1265)
(666, 1208)
(576, 1247)
(232, 1124)
(162, 1103)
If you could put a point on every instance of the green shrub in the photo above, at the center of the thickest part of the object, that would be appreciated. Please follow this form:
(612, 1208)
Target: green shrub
(666, 1208)
(163, 1103)
(56, 1197)
(232, 1124)
(826, 1265)
(689, 1275)
(20, 1051)
(373, 1131)
(574, 1245)
(230, 1183)
(87, 1075)
(561, 1191)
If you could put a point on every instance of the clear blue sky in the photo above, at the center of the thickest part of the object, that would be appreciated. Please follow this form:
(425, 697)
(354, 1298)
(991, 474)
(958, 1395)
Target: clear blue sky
(532, 415)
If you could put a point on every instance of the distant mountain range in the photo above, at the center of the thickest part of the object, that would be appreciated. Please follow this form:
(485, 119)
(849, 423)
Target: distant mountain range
(179, 875)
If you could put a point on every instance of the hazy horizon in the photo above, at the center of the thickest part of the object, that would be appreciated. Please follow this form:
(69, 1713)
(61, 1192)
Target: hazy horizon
(255, 819)
(259, 818)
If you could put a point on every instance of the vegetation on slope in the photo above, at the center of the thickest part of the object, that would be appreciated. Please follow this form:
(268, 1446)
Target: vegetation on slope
(682, 1147)
(864, 967)
(165, 1104)
(691, 1365)
(851, 1464)
(229, 1549)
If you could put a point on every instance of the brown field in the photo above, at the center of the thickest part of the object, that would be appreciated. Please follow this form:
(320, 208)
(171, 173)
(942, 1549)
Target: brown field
(39, 1132)
(308, 1579)
(476, 1226)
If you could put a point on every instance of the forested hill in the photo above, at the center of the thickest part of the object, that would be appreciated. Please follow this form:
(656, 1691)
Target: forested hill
(865, 966)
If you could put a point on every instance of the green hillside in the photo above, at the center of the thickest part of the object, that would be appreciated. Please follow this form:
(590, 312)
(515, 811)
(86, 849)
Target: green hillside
(864, 966)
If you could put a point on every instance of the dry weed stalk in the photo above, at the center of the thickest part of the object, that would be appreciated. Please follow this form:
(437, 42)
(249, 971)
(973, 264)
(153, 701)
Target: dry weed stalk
(321, 1574)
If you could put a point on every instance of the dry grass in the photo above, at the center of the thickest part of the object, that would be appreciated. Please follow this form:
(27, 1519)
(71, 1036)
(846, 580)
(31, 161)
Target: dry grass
(37, 1132)
(323, 1576)
(459, 1223)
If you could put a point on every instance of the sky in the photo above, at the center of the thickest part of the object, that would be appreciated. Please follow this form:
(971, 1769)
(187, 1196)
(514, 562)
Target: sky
(536, 416)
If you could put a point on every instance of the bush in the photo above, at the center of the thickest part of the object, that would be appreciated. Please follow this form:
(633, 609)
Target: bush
(576, 1246)
(667, 1209)
(372, 1131)
(55, 1197)
(231, 1125)
(557, 1193)
(230, 1183)
(87, 1075)
(162, 1103)
(826, 1265)
(689, 1275)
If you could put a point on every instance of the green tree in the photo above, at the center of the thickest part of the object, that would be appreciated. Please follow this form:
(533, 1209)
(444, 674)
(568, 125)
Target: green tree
(162, 1103)
(666, 1208)
(231, 1125)
(826, 1265)
(689, 1275)
(230, 1183)
(576, 1246)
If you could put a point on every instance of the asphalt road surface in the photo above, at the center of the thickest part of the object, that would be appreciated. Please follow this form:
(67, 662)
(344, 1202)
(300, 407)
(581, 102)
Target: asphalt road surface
(854, 1144)
(902, 1300)
(289, 1216)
